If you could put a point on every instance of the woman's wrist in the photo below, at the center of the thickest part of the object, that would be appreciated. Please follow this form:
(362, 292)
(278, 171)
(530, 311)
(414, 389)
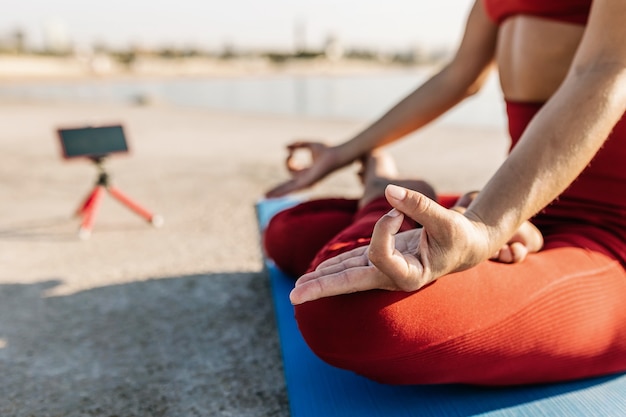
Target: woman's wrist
(489, 237)
(349, 152)
(495, 231)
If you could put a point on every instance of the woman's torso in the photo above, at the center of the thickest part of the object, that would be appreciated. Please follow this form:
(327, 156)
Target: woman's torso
(533, 55)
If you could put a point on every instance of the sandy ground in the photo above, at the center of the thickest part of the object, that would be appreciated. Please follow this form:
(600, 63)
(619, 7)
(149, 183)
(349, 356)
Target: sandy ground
(177, 321)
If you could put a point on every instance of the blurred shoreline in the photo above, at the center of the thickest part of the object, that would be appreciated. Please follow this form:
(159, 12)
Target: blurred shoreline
(31, 68)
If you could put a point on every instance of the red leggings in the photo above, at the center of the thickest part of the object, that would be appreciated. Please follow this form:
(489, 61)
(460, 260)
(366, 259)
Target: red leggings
(559, 315)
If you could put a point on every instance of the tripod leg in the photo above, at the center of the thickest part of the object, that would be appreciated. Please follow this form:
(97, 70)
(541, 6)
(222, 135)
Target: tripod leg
(90, 212)
(84, 206)
(155, 219)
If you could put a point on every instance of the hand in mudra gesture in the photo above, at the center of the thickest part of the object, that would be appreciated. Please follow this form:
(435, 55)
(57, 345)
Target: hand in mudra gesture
(449, 241)
(324, 159)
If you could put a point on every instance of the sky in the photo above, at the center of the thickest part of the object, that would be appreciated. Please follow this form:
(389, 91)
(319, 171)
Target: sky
(242, 24)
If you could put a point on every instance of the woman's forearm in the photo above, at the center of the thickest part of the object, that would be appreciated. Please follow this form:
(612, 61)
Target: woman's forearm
(462, 77)
(565, 134)
(429, 101)
(555, 148)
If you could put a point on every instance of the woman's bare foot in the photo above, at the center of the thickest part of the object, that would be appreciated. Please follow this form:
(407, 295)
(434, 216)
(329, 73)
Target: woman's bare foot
(379, 170)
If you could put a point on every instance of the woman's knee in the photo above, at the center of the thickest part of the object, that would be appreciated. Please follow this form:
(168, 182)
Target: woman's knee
(294, 236)
(285, 246)
(351, 333)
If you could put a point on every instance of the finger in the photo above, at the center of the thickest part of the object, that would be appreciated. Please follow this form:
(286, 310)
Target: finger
(385, 256)
(358, 252)
(511, 253)
(333, 269)
(504, 255)
(295, 164)
(292, 167)
(518, 251)
(534, 238)
(282, 189)
(299, 144)
(346, 281)
(382, 248)
(418, 207)
(301, 180)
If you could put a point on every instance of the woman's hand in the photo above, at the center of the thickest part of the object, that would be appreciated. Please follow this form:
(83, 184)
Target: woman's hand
(448, 242)
(527, 239)
(324, 159)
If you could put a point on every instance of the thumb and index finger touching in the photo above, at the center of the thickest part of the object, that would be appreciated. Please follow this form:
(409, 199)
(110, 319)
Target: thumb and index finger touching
(439, 226)
(417, 206)
(450, 241)
(301, 162)
(301, 176)
(392, 270)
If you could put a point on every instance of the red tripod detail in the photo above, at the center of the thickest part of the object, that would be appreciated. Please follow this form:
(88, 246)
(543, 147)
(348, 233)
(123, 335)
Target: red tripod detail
(89, 208)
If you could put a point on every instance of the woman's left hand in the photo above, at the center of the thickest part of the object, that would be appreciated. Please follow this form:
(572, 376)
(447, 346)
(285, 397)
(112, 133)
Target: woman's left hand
(527, 239)
(448, 242)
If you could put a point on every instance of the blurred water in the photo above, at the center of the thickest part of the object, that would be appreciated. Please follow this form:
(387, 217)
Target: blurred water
(360, 97)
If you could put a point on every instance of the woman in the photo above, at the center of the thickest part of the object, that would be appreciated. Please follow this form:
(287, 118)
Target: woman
(426, 305)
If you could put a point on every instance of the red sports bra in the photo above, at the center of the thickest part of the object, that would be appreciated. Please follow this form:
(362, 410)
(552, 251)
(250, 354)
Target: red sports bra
(572, 11)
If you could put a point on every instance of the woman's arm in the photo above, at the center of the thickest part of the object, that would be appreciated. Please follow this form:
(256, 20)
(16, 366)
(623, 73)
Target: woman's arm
(566, 134)
(461, 78)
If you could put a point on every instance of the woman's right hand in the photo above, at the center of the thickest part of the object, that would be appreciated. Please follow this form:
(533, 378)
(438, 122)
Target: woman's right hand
(324, 159)
(448, 242)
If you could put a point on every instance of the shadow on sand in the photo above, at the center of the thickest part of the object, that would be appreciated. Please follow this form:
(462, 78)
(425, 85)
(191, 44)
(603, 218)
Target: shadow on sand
(173, 346)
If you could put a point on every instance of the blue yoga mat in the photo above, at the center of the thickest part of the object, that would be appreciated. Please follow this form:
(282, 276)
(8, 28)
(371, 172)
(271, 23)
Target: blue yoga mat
(319, 390)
